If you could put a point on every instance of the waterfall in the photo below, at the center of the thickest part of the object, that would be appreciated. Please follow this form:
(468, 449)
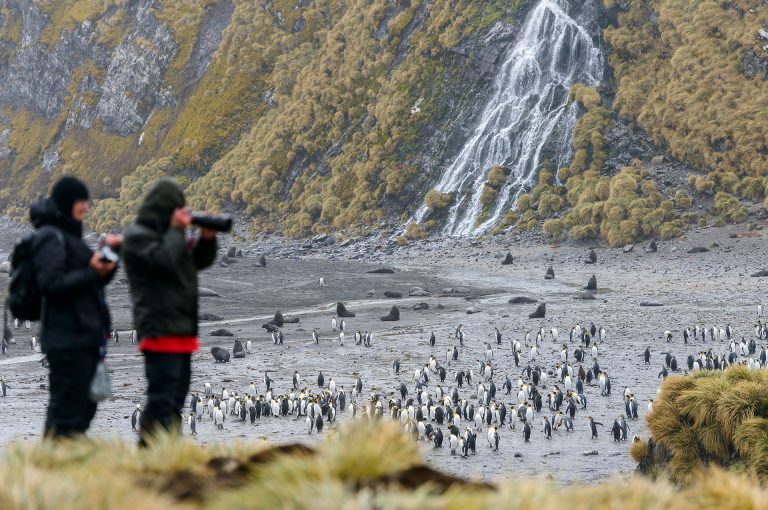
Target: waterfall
(528, 110)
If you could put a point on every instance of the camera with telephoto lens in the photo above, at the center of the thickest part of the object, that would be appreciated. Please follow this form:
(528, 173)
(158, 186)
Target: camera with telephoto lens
(107, 254)
(217, 222)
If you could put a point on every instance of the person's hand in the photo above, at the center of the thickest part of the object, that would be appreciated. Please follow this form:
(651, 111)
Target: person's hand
(114, 241)
(207, 234)
(181, 218)
(102, 268)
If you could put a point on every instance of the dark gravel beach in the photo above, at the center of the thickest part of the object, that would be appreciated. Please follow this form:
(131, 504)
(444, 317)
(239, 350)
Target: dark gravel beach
(706, 288)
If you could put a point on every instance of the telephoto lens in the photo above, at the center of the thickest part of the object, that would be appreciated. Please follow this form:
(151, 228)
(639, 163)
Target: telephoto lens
(217, 222)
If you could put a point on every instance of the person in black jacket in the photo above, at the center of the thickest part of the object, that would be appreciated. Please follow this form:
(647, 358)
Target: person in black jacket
(74, 317)
(162, 265)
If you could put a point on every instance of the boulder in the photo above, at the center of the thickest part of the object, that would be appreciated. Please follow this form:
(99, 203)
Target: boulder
(393, 315)
(698, 249)
(585, 296)
(393, 294)
(650, 303)
(203, 292)
(237, 350)
(220, 355)
(221, 332)
(342, 311)
(208, 316)
(628, 248)
(508, 260)
(591, 258)
(290, 319)
(592, 283)
(550, 274)
(5, 267)
(522, 300)
(472, 310)
(381, 270)
(421, 306)
(540, 312)
(224, 262)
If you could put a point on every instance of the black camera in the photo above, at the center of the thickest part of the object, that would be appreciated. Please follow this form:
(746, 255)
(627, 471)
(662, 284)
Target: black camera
(217, 222)
(107, 254)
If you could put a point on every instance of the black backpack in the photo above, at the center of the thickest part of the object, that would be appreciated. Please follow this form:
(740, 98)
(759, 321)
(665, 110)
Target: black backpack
(24, 297)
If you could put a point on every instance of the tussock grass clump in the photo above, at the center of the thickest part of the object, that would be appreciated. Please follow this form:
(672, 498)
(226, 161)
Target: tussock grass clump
(710, 418)
(728, 208)
(414, 231)
(437, 201)
(357, 465)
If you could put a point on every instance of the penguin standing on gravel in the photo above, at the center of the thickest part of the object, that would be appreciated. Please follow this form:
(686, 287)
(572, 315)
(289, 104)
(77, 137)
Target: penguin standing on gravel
(432, 339)
(192, 424)
(296, 379)
(593, 427)
(135, 417)
(396, 366)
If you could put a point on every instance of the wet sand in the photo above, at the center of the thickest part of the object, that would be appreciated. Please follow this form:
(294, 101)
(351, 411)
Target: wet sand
(712, 288)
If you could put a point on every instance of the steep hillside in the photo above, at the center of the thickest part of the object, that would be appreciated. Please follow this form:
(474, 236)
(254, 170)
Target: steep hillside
(299, 112)
(693, 75)
(461, 117)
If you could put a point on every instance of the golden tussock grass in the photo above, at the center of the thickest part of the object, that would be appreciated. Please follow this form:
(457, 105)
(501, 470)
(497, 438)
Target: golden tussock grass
(711, 418)
(357, 465)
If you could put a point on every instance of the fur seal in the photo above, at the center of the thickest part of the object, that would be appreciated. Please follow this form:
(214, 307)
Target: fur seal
(550, 274)
(508, 260)
(342, 311)
(220, 355)
(237, 350)
(522, 300)
(592, 283)
(540, 312)
(393, 315)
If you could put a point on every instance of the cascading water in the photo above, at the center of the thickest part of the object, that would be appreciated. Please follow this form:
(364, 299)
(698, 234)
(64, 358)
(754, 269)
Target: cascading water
(528, 111)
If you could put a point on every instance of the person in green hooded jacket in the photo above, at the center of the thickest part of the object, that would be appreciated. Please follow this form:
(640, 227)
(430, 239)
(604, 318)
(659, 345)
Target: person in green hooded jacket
(161, 263)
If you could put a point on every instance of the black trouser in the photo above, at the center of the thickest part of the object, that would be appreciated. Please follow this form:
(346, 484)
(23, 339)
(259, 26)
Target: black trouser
(70, 409)
(168, 380)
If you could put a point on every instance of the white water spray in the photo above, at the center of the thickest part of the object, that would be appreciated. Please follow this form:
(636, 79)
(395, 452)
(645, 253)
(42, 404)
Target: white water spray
(528, 111)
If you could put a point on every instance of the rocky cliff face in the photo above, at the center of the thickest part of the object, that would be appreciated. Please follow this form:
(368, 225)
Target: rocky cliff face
(101, 89)
(326, 115)
(107, 74)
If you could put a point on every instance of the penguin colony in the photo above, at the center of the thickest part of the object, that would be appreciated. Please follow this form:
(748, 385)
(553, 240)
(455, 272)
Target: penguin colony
(450, 400)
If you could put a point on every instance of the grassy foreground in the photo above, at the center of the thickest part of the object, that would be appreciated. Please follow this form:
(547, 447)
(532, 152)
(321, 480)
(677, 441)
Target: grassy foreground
(708, 418)
(359, 466)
